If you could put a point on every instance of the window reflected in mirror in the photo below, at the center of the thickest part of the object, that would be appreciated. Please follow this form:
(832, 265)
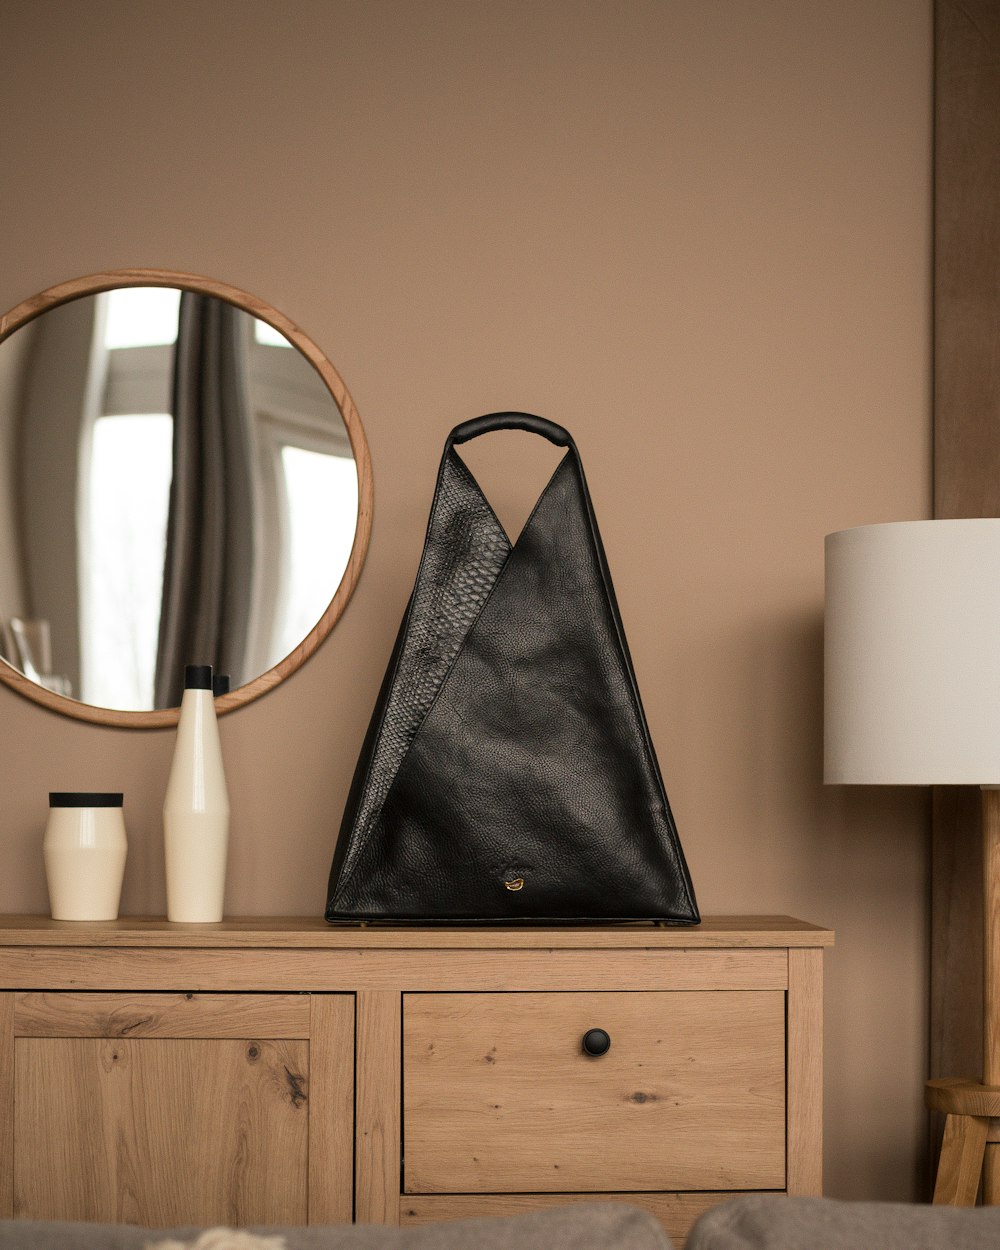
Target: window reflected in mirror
(319, 499)
(121, 557)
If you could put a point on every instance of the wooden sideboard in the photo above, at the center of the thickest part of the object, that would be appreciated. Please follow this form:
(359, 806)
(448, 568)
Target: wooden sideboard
(269, 1071)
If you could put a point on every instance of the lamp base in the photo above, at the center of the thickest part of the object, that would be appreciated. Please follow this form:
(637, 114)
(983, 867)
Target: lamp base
(969, 1151)
(971, 1108)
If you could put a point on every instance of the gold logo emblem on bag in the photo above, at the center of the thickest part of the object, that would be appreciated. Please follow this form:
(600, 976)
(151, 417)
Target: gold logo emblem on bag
(515, 883)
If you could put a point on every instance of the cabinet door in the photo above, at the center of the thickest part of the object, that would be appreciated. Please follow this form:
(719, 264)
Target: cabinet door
(164, 1109)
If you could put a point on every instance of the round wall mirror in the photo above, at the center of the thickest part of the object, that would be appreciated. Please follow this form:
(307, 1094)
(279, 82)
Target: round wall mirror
(184, 479)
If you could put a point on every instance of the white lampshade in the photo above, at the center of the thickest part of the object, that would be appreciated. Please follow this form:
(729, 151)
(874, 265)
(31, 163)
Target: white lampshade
(913, 654)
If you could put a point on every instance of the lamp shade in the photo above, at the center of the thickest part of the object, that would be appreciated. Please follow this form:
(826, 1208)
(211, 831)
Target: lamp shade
(912, 654)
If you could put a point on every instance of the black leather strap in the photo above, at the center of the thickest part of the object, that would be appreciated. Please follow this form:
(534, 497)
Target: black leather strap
(510, 421)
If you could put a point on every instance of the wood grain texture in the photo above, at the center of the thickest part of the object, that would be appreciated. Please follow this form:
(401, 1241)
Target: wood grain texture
(158, 1132)
(308, 933)
(676, 1212)
(126, 982)
(991, 975)
(805, 1072)
(6, 1106)
(499, 1096)
(378, 1146)
(961, 1160)
(241, 971)
(966, 457)
(31, 308)
(331, 1109)
(956, 996)
(161, 1015)
(962, 1096)
(966, 259)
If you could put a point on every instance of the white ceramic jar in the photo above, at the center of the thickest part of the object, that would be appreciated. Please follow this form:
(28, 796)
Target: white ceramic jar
(196, 808)
(84, 850)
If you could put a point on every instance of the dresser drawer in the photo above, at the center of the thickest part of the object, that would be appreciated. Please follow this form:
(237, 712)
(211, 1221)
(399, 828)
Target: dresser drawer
(499, 1096)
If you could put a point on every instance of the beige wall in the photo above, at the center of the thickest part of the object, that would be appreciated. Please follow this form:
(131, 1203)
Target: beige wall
(697, 234)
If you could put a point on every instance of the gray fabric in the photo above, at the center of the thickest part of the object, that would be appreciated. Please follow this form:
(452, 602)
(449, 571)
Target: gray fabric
(771, 1222)
(584, 1226)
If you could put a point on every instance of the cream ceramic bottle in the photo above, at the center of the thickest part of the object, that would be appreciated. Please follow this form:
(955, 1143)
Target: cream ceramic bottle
(196, 808)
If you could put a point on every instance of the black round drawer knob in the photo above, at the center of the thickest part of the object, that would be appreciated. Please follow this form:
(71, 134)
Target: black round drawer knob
(596, 1042)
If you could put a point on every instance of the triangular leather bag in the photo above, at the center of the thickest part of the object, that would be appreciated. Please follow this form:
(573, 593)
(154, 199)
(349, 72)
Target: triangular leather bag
(508, 773)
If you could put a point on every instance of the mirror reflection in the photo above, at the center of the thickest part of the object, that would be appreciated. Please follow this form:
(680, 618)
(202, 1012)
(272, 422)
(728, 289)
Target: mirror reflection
(177, 486)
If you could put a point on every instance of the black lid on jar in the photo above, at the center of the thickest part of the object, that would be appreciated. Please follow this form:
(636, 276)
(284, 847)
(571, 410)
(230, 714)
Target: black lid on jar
(198, 677)
(84, 798)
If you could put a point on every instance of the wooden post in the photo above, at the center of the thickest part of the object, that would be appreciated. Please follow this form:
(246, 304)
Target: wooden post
(991, 973)
(969, 1148)
(805, 1072)
(966, 451)
(378, 1129)
(7, 1106)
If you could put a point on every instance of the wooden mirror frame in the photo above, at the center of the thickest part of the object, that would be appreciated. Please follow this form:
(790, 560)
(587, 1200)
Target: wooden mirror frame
(96, 283)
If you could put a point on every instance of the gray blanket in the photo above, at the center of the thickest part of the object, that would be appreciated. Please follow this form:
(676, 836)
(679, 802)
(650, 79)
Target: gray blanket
(769, 1222)
(590, 1226)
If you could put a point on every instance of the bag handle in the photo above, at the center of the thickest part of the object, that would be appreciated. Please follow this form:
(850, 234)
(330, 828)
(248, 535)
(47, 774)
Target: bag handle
(510, 421)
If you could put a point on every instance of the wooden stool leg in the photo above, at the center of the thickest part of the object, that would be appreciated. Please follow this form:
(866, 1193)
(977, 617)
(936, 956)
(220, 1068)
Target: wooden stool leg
(961, 1160)
(991, 1175)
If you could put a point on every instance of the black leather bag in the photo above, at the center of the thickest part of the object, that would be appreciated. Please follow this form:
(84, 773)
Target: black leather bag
(508, 773)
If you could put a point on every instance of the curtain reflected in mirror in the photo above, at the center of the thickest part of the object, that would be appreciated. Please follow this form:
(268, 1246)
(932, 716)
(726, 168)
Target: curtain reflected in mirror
(177, 486)
(208, 567)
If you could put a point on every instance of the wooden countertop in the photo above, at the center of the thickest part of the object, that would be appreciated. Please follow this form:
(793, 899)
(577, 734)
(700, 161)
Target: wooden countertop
(306, 932)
